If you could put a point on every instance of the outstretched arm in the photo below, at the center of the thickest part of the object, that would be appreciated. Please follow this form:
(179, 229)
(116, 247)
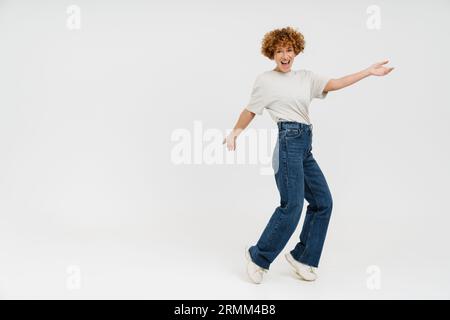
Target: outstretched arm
(377, 69)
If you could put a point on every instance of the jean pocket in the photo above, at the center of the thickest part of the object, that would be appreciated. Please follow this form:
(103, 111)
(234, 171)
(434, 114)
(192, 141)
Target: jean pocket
(293, 133)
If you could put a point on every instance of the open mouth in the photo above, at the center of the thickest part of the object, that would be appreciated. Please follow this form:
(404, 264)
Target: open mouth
(285, 63)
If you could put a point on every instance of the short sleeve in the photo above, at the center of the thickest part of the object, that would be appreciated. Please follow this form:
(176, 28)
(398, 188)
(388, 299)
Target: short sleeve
(257, 101)
(318, 83)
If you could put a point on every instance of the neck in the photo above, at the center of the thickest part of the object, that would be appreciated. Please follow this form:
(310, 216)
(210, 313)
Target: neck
(278, 70)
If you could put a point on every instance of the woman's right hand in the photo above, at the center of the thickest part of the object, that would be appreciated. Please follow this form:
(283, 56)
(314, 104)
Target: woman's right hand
(230, 141)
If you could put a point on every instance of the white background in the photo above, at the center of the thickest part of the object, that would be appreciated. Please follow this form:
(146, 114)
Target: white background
(87, 182)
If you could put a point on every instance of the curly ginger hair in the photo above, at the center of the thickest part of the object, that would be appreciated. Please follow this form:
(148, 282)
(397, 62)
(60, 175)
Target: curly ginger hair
(282, 37)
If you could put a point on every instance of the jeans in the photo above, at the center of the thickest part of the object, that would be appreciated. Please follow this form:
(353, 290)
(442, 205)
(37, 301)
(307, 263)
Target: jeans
(298, 177)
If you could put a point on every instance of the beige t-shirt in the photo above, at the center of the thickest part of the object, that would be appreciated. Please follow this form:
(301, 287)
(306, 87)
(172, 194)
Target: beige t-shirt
(287, 96)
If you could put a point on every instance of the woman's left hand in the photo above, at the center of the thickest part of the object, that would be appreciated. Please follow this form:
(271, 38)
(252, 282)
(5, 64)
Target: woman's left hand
(377, 69)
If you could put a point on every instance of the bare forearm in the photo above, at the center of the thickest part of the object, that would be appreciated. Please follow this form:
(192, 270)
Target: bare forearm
(336, 84)
(244, 120)
(376, 69)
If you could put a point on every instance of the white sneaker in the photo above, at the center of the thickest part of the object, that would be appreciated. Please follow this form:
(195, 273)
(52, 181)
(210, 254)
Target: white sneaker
(304, 271)
(255, 272)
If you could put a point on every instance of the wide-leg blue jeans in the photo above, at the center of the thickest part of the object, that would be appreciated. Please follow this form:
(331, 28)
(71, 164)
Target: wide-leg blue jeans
(298, 177)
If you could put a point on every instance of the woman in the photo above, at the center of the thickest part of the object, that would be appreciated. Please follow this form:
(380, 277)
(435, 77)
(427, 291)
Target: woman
(286, 94)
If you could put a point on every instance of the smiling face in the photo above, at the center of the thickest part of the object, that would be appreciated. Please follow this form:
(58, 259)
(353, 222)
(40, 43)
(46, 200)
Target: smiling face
(284, 58)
